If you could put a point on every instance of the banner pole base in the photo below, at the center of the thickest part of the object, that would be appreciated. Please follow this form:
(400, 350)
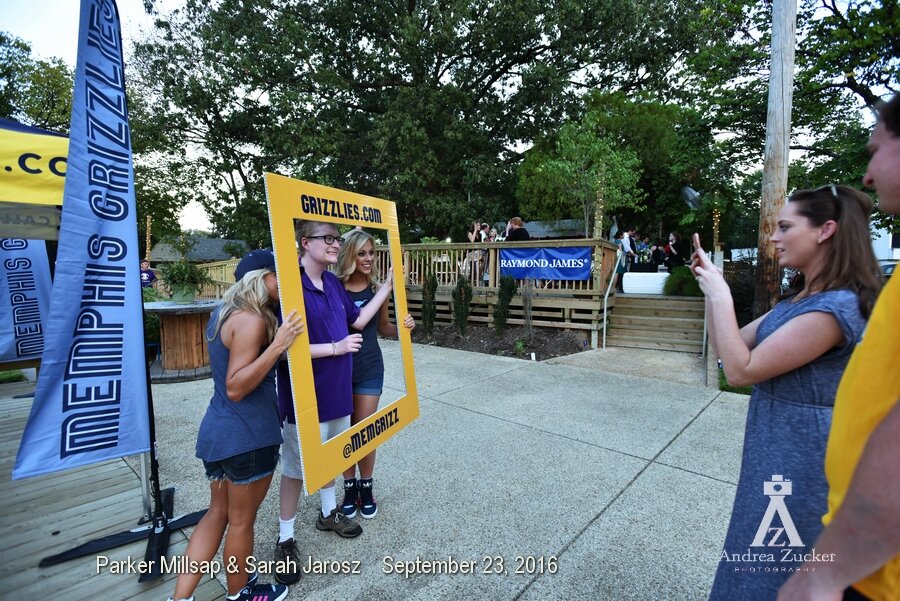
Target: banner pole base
(158, 533)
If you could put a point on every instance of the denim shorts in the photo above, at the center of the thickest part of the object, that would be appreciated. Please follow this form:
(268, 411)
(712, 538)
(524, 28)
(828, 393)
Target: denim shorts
(372, 386)
(244, 468)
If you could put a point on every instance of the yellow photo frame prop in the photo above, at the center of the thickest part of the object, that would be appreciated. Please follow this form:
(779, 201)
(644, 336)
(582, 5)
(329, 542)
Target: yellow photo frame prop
(291, 199)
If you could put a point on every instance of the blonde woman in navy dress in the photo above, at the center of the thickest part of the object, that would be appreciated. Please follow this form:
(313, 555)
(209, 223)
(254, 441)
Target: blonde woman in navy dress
(356, 269)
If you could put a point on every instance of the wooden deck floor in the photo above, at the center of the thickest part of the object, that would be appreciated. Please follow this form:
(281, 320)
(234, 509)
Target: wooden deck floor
(46, 515)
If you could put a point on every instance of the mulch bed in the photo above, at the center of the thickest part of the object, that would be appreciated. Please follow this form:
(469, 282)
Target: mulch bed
(546, 343)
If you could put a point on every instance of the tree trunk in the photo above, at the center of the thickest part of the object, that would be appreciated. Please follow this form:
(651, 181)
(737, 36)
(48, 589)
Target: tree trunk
(778, 137)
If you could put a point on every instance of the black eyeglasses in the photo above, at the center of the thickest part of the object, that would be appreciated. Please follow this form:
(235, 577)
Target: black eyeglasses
(328, 238)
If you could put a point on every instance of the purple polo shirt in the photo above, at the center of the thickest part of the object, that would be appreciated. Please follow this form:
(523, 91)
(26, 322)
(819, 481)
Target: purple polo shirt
(329, 314)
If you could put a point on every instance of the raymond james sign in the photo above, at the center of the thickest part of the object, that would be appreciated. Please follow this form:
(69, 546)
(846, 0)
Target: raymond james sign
(572, 263)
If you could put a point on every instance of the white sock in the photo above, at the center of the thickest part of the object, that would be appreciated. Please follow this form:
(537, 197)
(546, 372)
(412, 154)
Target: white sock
(286, 529)
(329, 503)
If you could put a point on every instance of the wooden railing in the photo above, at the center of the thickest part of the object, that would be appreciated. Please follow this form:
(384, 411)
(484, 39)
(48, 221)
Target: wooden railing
(576, 305)
(480, 263)
(555, 303)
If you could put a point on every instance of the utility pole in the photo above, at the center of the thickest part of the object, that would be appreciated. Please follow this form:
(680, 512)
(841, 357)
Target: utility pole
(598, 235)
(778, 141)
(147, 239)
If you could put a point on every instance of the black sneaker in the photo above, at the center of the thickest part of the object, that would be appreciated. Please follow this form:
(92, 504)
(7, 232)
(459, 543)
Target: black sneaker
(367, 506)
(287, 566)
(351, 500)
(263, 592)
(338, 523)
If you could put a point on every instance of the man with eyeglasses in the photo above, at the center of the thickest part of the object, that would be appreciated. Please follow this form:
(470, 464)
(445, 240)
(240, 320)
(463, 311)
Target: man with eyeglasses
(857, 555)
(330, 315)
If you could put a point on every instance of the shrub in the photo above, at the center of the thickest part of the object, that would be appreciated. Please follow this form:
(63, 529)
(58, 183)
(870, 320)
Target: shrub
(151, 320)
(504, 297)
(429, 303)
(7, 377)
(681, 282)
(462, 304)
(184, 273)
(726, 387)
(519, 350)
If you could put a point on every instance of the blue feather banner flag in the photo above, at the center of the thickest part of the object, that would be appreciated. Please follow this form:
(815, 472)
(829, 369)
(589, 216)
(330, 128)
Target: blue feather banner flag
(91, 399)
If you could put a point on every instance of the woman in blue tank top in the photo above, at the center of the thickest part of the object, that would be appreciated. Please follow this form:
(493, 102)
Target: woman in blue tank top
(240, 434)
(793, 356)
(356, 269)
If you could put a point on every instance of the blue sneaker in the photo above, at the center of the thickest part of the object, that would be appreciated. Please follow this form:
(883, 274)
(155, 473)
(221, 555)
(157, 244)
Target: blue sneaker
(263, 592)
(367, 506)
(348, 506)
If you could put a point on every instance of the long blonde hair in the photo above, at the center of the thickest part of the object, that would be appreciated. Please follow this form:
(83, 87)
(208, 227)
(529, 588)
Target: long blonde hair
(346, 263)
(248, 294)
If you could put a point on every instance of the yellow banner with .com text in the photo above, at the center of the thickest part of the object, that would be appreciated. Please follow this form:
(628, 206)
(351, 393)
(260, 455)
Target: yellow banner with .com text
(32, 166)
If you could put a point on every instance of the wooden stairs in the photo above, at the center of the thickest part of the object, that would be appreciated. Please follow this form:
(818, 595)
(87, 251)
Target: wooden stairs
(652, 321)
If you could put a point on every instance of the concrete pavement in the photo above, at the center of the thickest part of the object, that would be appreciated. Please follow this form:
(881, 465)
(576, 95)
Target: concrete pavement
(595, 484)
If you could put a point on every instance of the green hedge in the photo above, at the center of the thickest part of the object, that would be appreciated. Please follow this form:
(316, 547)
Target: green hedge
(681, 282)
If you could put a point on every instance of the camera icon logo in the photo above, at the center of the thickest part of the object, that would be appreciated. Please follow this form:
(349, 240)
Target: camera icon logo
(777, 487)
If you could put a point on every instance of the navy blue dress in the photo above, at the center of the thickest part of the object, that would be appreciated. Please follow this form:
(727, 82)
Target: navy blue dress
(788, 421)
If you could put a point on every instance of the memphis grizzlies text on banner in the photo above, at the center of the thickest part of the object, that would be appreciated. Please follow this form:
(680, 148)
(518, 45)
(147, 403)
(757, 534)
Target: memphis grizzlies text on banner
(91, 399)
(24, 298)
(566, 263)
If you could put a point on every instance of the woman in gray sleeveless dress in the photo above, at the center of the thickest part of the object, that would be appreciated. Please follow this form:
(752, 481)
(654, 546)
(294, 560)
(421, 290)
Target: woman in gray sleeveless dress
(794, 357)
(240, 434)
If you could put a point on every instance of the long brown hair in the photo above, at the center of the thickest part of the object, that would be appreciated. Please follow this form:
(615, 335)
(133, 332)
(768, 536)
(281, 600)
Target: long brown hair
(849, 259)
(889, 114)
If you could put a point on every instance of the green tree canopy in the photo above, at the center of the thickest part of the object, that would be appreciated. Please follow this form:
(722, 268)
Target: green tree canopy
(34, 91)
(426, 103)
(847, 56)
(639, 153)
(565, 180)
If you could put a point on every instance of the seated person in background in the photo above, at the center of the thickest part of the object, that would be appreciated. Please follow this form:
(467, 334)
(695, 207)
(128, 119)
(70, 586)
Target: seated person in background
(515, 230)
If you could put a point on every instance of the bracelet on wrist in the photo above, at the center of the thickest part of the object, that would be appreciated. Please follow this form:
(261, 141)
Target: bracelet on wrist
(333, 349)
